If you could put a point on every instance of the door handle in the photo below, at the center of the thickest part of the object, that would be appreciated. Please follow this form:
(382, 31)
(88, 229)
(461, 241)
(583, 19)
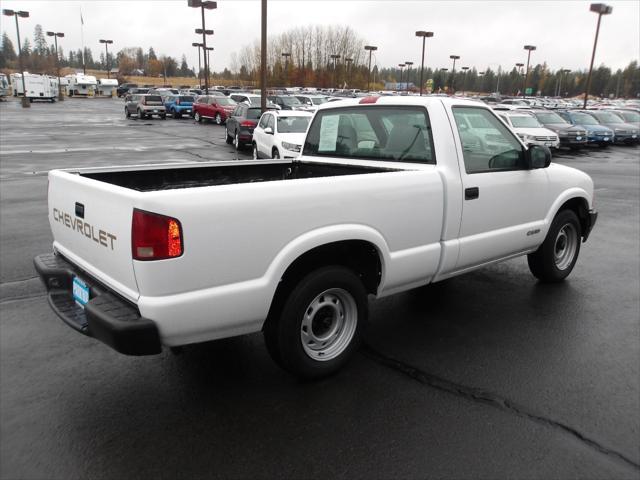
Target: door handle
(471, 193)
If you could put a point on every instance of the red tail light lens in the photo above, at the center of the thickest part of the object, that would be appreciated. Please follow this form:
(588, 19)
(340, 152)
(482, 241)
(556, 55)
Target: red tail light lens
(248, 123)
(155, 237)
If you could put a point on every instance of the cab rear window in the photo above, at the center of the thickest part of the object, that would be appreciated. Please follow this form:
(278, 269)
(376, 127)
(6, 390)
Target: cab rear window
(389, 133)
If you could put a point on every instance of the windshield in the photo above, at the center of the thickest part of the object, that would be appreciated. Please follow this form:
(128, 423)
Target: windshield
(293, 124)
(290, 101)
(185, 98)
(225, 101)
(630, 116)
(550, 118)
(584, 119)
(254, 113)
(525, 122)
(607, 117)
(254, 100)
(319, 100)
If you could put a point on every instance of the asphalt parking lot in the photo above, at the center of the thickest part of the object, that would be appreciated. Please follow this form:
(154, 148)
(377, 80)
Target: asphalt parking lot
(488, 375)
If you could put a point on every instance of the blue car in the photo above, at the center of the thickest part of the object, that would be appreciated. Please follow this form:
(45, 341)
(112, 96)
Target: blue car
(596, 134)
(178, 105)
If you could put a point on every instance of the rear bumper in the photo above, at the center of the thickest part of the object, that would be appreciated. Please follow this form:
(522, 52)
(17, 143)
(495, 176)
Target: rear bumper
(106, 317)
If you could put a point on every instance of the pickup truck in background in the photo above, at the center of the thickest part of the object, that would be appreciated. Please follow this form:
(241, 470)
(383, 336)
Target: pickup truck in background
(389, 193)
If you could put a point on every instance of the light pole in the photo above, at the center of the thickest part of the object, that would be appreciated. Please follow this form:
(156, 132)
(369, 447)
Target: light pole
(529, 48)
(208, 51)
(424, 35)
(335, 57)
(444, 83)
(519, 67)
(600, 9)
(16, 14)
(464, 79)
(563, 71)
(348, 62)
(453, 70)
(286, 56)
(408, 64)
(106, 53)
(196, 44)
(208, 5)
(263, 56)
(55, 36)
(370, 48)
(399, 86)
(481, 74)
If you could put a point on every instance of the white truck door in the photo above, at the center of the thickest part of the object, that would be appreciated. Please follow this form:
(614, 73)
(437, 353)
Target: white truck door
(504, 202)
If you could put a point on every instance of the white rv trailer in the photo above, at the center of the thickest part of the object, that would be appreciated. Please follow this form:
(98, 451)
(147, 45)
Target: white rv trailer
(40, 87)
(107, 87)
(81, 85)
(5, 89)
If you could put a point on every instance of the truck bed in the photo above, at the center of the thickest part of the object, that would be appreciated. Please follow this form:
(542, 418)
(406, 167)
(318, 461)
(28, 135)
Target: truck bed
(176, 178)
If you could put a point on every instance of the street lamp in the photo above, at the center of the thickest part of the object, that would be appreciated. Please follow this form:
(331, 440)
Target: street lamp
(286, 56)
(196, 44)
(464, 79)
(208, 5)
(563, 71)
(106, 58)
(453, 70)
(348, 62)
(23, 14)
(529, 48)
(399, 86)
(519, 67)
(445, 70)
(408, 64)
(370, 48)
(334, 57)
(600, 9)
(55, 36)
(207, 51)
(424, 36)
(481, 74)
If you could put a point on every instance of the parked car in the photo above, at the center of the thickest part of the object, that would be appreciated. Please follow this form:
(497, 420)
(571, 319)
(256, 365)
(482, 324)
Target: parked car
(569, 135)
(246, 98)
(178, 105)
(629, 116)
(624, 132)
(144, 106)
(530, 131)
(286, 102)
(240, 125)
(310, 103)
(596, 133)
(280, 134)
(385, 197)
(139, 91)
(213, 107)
(123, 89)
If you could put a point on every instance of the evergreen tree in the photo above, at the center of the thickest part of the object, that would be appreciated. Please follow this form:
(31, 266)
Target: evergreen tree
(26, 48)
(8, 52)
(184, 67)
(39, 41)
(152, 54)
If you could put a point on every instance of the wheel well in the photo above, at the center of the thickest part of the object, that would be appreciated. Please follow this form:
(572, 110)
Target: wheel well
(580, 207)
(360, 256)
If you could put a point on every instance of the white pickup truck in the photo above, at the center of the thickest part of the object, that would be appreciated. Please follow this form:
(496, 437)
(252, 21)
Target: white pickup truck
(388, 194)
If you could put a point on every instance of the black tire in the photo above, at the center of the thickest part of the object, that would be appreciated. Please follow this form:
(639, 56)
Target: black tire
(556, 257)
(127, 113)
(177, 114)
(254, 151)
(198, 117)
(228, 137)
(218, 119)
(275, 154)
(294, 310)
(163, 116)
(141, 114)
(236, 141)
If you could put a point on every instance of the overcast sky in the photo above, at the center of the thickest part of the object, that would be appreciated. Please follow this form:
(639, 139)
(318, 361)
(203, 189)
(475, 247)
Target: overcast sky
(483, 33)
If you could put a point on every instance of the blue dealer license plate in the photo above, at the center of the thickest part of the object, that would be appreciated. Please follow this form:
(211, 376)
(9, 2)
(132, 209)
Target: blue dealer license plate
(80, 292)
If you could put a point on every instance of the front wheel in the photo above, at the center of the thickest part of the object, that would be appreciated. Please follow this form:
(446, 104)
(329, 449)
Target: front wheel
(275, 154)
(198, 117)
(255, 151)
(556, 257)
(316, 329)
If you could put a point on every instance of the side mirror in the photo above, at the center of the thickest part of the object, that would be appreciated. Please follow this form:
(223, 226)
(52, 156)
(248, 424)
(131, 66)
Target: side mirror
(268, 131)
(538, 156)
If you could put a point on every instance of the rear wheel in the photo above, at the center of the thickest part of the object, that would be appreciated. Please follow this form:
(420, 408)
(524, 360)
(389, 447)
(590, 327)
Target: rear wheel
(218, 119)
(227, 137)
(163, 116)
(316, 330)
(236, 141)
(198, 117)
(127, 113)
(141, 114)
(556, 257)
(176, 114)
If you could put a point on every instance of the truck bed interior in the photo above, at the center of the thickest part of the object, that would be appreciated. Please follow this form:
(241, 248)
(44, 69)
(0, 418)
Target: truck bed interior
(175, 178)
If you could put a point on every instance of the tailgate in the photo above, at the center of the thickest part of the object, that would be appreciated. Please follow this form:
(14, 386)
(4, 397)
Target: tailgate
(91, 225)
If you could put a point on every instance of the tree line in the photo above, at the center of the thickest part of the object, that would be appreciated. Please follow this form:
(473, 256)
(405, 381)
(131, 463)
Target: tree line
(39, 56)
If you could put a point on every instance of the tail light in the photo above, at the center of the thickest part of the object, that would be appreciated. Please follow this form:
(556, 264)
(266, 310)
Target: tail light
(248, 123)
(155, 237)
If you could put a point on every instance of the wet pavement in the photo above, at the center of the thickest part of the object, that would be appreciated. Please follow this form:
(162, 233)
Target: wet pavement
(487, 375)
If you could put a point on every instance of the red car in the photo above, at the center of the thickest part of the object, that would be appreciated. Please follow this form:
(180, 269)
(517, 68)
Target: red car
(213, 108)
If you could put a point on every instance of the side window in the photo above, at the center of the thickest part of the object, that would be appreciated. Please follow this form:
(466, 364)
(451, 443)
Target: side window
(487, 145)
(389, 133)
(263, 121)
(271, 123)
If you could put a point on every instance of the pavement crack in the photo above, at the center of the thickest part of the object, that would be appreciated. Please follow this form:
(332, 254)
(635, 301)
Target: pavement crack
(20, 280)
(489, 398)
